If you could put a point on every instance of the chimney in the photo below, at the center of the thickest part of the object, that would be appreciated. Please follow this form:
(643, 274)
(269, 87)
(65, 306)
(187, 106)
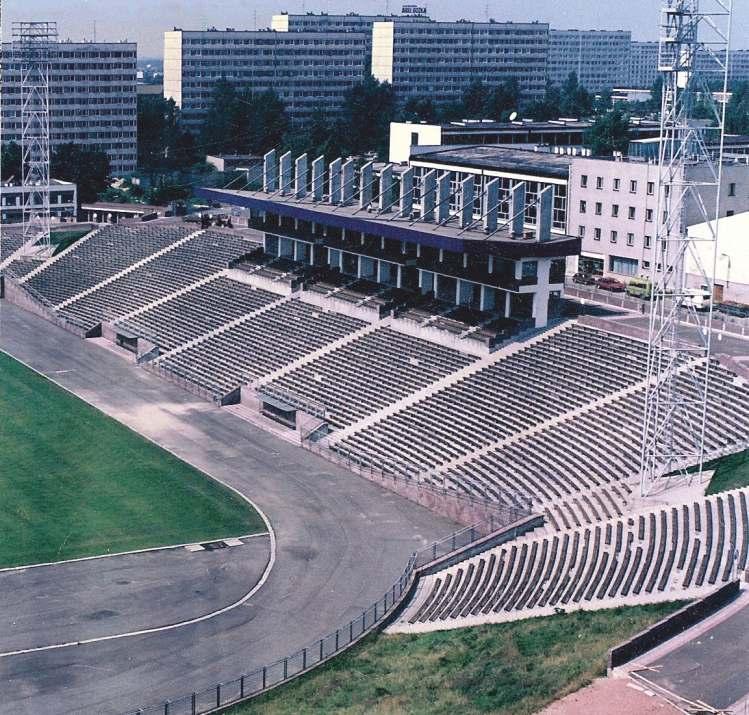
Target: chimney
(366, 180)
(386, 188)
(491, 205)
(406, 193)
(284, 173)
(334, 181)
(270, 172)
(517, 209)
(300, 176)
(543, 214)
(428, 191)
(318, 178)
(347, 182)
(443, 197)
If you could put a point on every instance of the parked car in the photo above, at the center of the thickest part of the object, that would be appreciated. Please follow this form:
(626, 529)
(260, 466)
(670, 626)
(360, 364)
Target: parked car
(698, 298)
(736, 310)
(586, 279)
(612, 284)
(640, 288)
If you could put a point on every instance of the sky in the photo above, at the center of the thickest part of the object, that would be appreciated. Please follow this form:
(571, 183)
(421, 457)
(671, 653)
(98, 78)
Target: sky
(144, 21)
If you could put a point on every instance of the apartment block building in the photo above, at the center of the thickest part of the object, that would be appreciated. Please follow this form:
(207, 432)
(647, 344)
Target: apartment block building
(600, 58)
(92, 98)
(306, 69)
(613, 207)
(643, 64)
(439, 59)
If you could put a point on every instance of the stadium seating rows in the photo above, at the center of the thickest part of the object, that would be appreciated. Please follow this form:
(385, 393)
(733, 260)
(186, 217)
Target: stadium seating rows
(105, 253)
(203, 254)
(200, 310)
(550, 377)
(375, 370)
(263, 343)
(665, 553)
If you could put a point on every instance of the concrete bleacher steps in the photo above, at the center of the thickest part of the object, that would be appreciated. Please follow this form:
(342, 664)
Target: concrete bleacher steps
(677, 551)
(61, 255)
(13, 248)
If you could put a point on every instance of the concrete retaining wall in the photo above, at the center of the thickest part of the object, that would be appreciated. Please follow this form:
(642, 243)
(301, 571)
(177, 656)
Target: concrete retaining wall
(672, 625)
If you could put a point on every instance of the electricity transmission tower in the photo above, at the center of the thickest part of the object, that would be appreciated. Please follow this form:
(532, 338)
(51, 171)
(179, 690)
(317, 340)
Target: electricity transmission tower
(693, 59)
(34, 44)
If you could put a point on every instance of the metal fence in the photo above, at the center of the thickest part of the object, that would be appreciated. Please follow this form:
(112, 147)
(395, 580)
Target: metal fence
(260, 680)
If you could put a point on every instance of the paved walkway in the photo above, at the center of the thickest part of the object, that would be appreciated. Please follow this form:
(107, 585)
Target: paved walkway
(94, 598)
(341, 541)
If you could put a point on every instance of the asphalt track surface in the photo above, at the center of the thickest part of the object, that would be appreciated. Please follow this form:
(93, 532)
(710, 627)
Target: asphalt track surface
(95, 598)
(340, 541)
(711, 668)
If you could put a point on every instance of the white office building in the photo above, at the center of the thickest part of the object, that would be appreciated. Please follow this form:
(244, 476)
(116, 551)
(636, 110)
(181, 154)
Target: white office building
(599, 58)
(306, 69)
(92, 98)
(439, 60)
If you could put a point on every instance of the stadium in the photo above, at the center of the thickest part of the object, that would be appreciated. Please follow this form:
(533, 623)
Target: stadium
(317, 365)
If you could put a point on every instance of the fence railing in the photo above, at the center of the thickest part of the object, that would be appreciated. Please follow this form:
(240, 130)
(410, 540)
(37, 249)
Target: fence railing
(260, 680)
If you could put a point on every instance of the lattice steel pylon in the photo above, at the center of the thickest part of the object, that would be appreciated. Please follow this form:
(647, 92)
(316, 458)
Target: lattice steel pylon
(690, 167)
(34, 44)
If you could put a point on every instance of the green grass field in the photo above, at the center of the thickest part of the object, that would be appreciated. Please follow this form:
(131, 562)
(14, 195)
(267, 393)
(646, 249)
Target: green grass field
(62, 239)
(74, 482)
(506, 669)
(731, 472)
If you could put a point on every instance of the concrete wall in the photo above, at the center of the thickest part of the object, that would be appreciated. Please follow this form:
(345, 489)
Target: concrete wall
(401, 136)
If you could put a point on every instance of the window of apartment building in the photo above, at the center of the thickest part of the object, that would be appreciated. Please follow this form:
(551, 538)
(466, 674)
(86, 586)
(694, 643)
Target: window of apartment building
(599, 182)
(581, 231)
(649, 215)
(615, 210)
(596, 234)
(630, 239)
(651, 188)
(631, 213)
(583, 206)
(648, 241)
(732, 189)
(646, 264)
(617, 184)
(614, 236)
(599, 208)
(632, 186)
(730, 212)
(584, 181)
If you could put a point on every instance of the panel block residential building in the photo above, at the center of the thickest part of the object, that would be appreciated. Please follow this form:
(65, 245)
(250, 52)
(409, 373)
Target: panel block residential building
(306, 69)
(439, 59)
(93, 100)
(643, 64)
(600, 58)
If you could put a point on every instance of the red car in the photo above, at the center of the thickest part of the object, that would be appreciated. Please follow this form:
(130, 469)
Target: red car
(612, 284)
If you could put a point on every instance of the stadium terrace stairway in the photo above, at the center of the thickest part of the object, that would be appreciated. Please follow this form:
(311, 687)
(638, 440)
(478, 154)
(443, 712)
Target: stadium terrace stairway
(672, 552)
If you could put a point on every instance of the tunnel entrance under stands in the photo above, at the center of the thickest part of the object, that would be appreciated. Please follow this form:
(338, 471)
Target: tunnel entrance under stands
(128, 341)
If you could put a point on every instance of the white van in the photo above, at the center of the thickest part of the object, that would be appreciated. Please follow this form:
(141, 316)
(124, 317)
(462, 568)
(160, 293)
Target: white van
(698, 298)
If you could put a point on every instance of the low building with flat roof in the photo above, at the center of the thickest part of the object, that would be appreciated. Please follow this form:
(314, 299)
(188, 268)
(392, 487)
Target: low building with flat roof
(63, 201)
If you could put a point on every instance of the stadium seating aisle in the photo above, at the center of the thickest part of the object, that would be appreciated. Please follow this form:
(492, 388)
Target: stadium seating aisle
(672, 552)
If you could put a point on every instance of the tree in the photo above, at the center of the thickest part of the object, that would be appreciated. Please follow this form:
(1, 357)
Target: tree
(502, 99)
(547, 108)
(162, 144)
(262, 118)
(474, 99)
(737, 110)
(225, 118)
(656, 94)
(609, 133)
(368, 109)
(574, 99)
(419, 109)
(10, 161)
(87, 167)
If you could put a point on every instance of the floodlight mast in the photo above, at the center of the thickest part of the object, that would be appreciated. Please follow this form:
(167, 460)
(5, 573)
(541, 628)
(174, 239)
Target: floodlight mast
(689, 176)
(34, 44)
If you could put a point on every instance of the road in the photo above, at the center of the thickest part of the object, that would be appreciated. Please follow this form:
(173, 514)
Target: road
(341, 541)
